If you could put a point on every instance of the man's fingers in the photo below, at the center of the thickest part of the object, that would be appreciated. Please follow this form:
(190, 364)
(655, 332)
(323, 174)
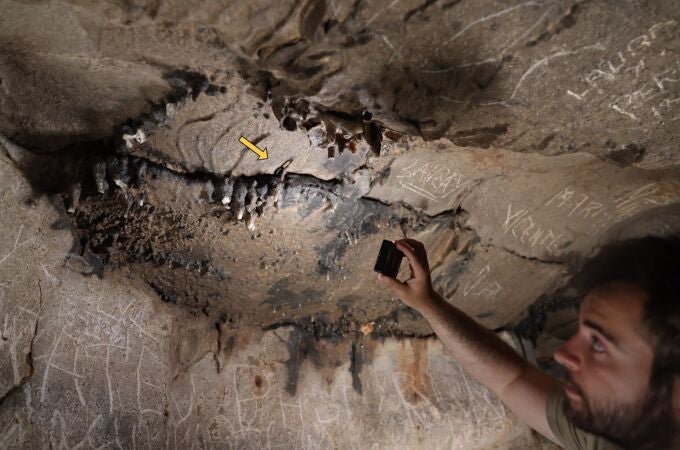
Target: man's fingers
(397, 286)
(416, 264)
(412, 243)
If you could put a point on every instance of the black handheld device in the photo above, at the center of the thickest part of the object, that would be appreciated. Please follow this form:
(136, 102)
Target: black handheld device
(389, 259)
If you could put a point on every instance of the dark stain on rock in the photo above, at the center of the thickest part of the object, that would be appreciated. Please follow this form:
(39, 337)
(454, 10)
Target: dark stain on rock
(118, 229)
(312, 15)
(484, 74)
(289, 123)
(419, 9)
(450, 4)
(625, 155)
(352, 220)
(330, 254)
(183, 288)
(283, 293)
(293, 363)
(356, 363)
(346, 302)
(388, 325)
(186, 83)
(301, 345)
(160, 292)
(227, 343)
(359, 216)
(545, 142)
(371, 131)
(567, 20)
(479, 137)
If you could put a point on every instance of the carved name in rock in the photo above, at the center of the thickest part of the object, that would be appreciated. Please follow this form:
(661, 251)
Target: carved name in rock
(535, 206)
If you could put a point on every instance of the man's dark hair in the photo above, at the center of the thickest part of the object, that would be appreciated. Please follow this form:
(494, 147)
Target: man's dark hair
(652, 264)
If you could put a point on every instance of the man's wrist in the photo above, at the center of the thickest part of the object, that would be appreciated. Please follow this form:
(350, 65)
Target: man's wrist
(433, 305)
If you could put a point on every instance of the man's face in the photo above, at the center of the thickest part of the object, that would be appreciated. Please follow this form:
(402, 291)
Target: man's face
(609, 361)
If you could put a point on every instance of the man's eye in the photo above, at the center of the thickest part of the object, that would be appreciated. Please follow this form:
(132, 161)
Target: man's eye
(596, 345)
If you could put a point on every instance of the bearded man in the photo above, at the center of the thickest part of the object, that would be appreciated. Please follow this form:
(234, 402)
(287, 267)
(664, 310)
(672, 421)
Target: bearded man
(622, 388)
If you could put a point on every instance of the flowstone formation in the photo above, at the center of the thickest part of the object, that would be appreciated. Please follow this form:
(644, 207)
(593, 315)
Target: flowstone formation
(163, 285)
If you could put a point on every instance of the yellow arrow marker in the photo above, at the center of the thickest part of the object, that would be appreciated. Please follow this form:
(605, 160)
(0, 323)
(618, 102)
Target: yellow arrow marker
(261, 154)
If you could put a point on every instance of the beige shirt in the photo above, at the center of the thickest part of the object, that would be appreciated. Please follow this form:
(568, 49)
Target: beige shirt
(571, 437)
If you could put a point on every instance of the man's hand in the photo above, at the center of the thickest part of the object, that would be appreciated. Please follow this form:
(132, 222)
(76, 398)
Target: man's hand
(417, 291)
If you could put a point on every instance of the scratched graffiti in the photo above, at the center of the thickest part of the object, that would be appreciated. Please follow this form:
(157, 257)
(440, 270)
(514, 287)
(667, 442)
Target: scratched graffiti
(529, 231)
(575, 209)
(483, 285)
(432, 181)
(112, 390)
(601, 213)
(18, 314)
(317, 415)
(655, 89)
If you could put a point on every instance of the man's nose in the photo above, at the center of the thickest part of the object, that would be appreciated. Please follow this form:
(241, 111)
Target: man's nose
(568, 355)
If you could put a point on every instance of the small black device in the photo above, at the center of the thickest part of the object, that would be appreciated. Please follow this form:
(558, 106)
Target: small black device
(389, 259)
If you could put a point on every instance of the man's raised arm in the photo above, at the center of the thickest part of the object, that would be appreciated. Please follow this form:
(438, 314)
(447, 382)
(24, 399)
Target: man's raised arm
(485, 356)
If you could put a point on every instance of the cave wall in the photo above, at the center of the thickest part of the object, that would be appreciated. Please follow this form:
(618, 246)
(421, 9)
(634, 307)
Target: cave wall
(161, 286)
(103, 363)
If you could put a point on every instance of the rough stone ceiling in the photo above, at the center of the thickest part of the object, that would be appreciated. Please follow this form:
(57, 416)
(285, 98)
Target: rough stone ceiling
(503, 135)
(133, 112)
(513, 138)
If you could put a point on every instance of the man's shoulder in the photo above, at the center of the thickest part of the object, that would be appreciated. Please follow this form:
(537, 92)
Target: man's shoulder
(569, 435)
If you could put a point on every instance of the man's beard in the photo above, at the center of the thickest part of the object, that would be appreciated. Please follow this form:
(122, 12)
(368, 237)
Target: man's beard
(648, 424)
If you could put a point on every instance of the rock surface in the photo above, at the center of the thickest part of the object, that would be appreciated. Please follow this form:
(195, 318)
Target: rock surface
(104, 363)
(528, 76)
(139, 234)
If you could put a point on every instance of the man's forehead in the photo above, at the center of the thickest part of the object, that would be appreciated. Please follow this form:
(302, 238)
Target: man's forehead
(624, 297)
(617, 308)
